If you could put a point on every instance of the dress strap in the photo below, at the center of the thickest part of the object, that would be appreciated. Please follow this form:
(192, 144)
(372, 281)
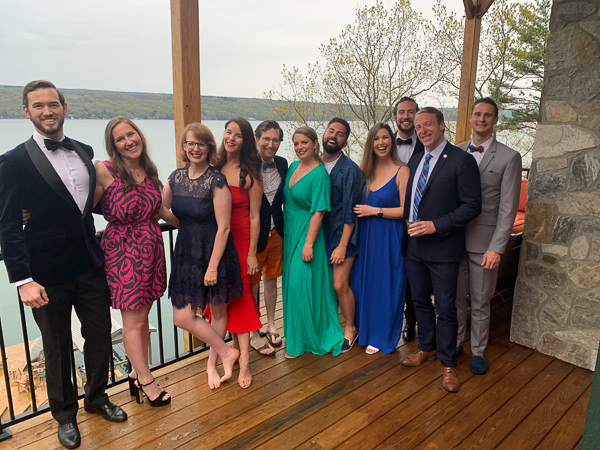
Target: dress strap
(110, 168)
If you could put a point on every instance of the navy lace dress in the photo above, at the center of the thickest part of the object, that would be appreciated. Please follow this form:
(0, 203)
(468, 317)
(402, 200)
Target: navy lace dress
(192, 204)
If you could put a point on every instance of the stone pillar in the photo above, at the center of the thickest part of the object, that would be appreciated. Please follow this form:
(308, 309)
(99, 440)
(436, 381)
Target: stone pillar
(556, 306)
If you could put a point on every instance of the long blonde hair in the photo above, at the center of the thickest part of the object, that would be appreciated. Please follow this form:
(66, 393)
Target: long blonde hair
(146, 162)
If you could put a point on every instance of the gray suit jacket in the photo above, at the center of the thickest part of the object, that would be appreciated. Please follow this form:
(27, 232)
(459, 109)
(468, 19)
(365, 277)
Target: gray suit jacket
(500, 171)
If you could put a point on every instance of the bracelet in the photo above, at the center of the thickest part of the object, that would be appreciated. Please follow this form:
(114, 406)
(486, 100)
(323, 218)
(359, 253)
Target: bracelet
(212, 270)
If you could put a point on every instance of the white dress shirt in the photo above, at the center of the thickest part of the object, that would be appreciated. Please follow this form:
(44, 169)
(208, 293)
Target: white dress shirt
(479, 155)
(406, 151)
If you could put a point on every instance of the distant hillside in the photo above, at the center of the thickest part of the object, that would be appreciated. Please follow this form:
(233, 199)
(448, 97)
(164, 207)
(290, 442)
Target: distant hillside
(92, 104)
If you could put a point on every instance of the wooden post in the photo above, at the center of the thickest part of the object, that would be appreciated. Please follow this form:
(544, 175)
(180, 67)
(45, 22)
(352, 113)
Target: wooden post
(591, 432)
(185, 36)
(474, 10)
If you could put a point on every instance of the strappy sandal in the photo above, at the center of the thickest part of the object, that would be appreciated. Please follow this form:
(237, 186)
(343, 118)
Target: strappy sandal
(264, 347)
(271, 338)
(158, 401)
(242, 380)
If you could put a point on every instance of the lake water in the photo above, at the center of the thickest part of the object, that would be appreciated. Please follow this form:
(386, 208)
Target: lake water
(160, 135)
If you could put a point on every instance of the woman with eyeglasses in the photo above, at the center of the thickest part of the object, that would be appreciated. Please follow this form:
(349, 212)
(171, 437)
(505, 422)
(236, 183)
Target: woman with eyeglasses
(205, 268)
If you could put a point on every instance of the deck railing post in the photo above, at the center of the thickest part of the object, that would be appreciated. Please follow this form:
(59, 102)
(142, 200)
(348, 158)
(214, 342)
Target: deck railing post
(5, 432)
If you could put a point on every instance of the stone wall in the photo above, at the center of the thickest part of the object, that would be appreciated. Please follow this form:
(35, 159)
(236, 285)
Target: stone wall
(557, 298)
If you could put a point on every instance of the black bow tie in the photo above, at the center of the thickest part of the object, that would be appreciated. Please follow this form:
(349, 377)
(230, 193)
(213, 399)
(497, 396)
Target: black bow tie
(401, 141)
(473, 148)
(267, 165)
(53, 145)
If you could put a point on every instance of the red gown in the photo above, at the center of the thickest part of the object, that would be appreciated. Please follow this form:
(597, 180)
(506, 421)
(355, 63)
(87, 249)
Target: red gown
(243, 313)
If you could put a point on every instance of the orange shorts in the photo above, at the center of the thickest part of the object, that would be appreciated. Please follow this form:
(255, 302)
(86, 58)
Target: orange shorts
(270, 260)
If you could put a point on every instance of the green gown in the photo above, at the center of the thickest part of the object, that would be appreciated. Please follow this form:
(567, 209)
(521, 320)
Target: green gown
(310, 314)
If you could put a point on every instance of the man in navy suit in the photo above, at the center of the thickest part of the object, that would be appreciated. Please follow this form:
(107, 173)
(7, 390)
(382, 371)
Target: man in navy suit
(56, 261)
(407, 144)
(443, 195)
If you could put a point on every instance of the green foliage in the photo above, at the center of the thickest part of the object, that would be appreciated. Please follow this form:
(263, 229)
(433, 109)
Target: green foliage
(90, 104)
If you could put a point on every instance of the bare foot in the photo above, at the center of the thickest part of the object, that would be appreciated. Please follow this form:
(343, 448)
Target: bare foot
(228, 363)
(214, 380)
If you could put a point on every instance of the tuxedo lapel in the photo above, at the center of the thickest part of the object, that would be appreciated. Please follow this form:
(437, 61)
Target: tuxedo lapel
(48, 173)
(488, 156)
(92, 172)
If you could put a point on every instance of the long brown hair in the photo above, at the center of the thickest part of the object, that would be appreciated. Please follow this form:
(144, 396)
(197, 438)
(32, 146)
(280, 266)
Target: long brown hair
(250, 163)
(117, 161)
(203, 134)
(367, 165)
(312, 135)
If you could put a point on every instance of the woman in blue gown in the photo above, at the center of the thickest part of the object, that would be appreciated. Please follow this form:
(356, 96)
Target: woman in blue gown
(379, 277)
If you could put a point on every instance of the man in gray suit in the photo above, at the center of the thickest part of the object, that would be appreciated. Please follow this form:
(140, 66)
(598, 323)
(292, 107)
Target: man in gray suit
(488, 234)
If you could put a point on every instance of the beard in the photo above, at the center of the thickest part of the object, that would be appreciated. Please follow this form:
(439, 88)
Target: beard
(45, 129)
(329, 149)
(406, 127)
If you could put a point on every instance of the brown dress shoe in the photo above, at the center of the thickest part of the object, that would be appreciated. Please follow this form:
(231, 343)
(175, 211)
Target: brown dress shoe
(418, 358)
(449, 379)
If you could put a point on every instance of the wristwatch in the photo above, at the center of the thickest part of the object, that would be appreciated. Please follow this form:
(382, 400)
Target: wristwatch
(380, 213)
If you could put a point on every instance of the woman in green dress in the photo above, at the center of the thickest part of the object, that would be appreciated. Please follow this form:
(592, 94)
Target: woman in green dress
(310, 316)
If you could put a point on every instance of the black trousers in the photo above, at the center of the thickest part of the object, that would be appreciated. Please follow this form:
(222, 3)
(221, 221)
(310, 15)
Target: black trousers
(409, 310)
(89, 295)
(438, 325)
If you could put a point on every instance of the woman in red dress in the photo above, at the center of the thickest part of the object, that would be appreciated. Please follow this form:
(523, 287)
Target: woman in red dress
(240, 163)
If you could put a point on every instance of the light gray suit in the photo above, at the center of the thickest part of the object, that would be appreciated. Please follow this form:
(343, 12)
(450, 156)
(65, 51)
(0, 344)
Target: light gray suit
(500, 170)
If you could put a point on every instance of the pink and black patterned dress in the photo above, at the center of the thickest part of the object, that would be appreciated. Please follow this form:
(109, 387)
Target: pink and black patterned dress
(134, 254)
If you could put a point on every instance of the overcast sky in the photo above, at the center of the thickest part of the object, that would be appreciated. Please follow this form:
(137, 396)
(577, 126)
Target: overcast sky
(125, 45)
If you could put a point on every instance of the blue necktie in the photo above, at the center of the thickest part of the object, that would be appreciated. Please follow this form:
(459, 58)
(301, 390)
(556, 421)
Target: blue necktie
(421, 187)
(266, 165)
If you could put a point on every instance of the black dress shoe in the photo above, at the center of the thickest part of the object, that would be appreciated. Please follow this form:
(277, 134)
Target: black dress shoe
(410, 332)
(68, 435)
(109, 411)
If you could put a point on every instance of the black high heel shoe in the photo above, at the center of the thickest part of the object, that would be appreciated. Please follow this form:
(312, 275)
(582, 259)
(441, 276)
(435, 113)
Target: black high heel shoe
(132, 386)
(158, 401)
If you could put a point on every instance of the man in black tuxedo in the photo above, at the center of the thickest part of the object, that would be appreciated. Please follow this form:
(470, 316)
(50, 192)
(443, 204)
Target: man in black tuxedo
(443, 195)
(269, 250)
(56, 261)
(407, 144)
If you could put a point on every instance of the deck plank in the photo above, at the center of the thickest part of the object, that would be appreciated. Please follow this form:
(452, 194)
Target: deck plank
(536, 426)
(498, 425)
(526, 400)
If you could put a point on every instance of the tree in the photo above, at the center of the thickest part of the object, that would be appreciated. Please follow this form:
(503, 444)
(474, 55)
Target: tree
(511, 62)
(384, 55)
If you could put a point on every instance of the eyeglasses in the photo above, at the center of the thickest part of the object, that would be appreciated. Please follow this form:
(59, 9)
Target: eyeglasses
(191, 145)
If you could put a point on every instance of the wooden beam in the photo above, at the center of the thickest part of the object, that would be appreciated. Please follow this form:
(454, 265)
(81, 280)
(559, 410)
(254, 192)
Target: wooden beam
(468, 76)
(185, 37)
(470, 9)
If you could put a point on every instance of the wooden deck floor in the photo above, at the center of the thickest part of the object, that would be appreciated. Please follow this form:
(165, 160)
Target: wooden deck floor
(353, 401)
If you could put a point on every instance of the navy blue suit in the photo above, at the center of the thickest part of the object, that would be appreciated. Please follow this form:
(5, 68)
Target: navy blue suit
(59, 250)
(451, 199)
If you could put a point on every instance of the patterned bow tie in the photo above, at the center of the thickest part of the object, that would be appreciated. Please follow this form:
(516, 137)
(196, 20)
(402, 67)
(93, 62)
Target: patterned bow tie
(473, 148)
(401, 141)
(267, 165)
(53, 145)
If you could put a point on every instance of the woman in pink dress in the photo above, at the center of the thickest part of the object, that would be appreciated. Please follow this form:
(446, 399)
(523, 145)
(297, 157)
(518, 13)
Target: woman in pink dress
(129, 192)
